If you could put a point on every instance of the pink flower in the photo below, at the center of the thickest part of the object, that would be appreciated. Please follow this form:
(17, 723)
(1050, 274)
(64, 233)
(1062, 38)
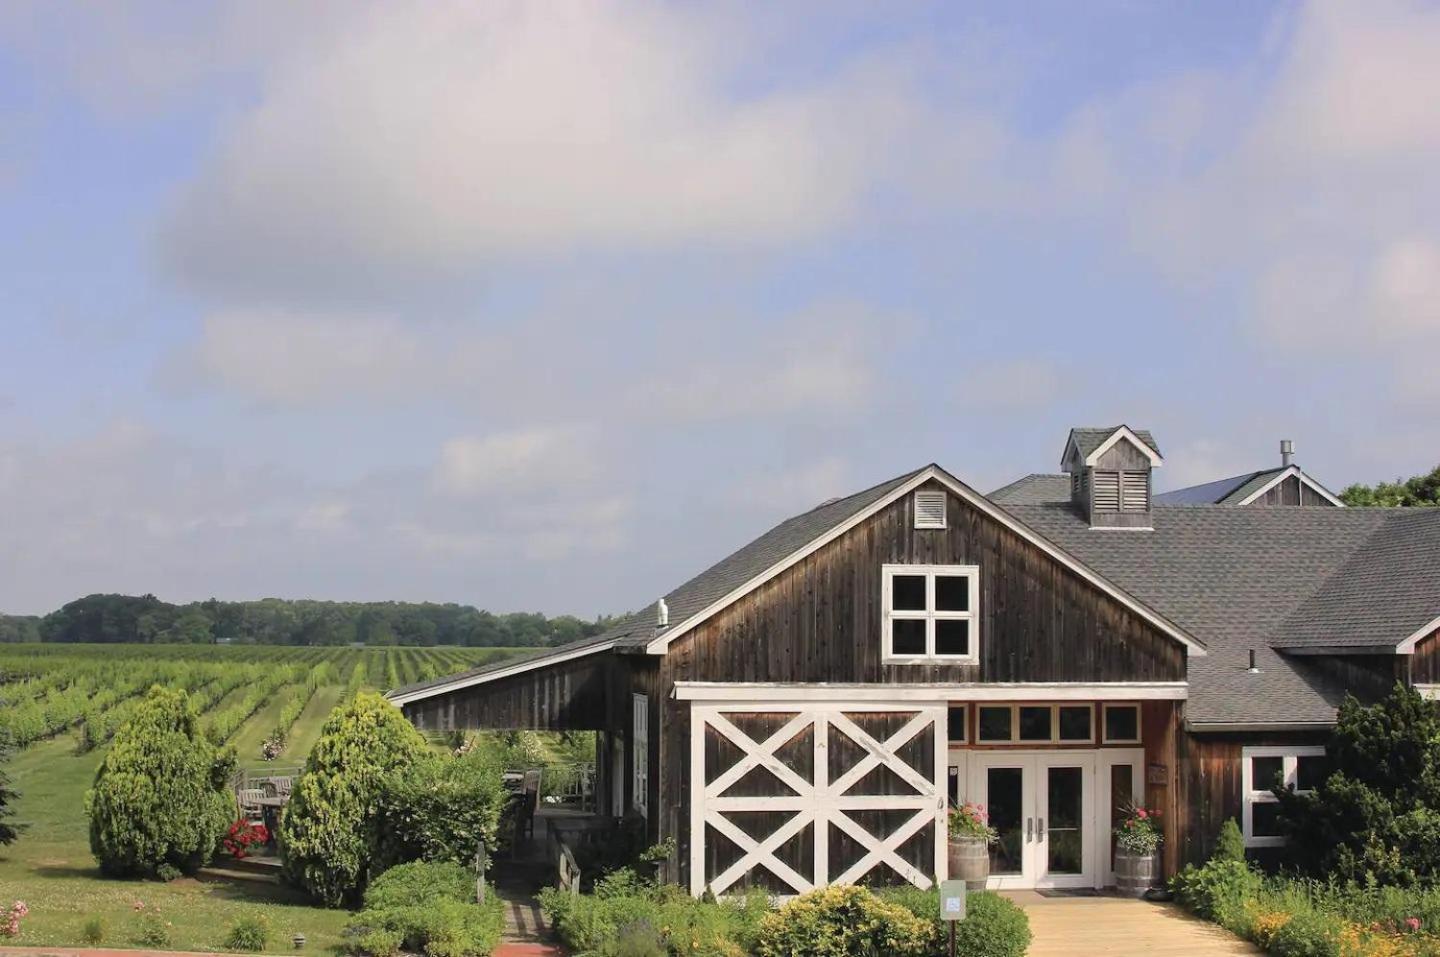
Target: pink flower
(139, 905)
(1141, 813)
(20, 910)
(1413, 923)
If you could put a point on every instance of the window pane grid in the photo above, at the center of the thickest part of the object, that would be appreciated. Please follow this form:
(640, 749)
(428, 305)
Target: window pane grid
(902, 595)
(1024, 722)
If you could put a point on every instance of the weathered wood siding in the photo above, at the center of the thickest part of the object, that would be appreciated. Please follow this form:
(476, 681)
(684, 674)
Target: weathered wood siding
(820, 620)
(1292, 492)
(1425, 662)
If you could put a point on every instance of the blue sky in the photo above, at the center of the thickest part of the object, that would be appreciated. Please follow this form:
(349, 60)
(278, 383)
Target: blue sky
(540, 307)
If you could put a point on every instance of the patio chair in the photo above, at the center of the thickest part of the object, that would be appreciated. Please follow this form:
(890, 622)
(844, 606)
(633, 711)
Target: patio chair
(249, 799)
(283, 786)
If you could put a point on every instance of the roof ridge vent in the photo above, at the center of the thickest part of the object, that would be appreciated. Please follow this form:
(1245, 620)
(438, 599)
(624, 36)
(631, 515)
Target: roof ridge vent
(1287, 453)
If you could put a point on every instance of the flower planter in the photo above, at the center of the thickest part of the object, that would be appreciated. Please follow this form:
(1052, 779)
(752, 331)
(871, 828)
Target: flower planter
(970, 861)
(1136, 873)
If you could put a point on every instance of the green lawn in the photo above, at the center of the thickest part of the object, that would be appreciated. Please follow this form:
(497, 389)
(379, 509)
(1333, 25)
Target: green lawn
(50, 868)
(307, 729)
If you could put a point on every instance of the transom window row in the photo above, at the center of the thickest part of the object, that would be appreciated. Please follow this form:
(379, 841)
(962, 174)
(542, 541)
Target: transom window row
(1034, 724)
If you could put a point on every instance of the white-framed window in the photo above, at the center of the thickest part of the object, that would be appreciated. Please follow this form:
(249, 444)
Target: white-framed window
(1120, 723)
(640, 781)
(1035, 724)
(1262, 768)
(930, 614)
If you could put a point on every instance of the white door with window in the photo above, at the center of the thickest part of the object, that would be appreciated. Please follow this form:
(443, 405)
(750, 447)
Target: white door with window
(1042, 805)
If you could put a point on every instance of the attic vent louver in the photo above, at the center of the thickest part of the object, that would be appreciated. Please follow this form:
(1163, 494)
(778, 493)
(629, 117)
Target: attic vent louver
(929, 509)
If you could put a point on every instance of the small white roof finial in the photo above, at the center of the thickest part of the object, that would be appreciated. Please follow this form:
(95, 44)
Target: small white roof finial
(662, 614)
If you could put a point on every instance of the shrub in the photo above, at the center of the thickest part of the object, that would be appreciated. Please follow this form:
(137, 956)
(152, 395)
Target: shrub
(842, 921)
(248, 933)
(1218, 891)
(625, 905)
(993, 926)
(93, 931)
(9, 831)
(441, 808)
(1376, 818)
(329, 836)
(426, 907)
(1230, 844)
(154, 931)
(1308, 933)
(161, 798)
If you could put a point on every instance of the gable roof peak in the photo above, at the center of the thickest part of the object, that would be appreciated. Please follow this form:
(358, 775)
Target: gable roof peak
(1089, 442)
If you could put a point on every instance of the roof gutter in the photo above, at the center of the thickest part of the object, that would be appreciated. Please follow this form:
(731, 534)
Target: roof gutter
(1221, 727)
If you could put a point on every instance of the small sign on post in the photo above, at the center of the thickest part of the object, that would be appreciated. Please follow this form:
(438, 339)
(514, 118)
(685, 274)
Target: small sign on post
(952, 900)
(952, 906)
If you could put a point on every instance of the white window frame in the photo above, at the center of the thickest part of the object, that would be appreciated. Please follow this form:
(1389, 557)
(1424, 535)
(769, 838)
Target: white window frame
(1105, 722)
(640, 762)
(1250, 796)
(889, 616)
(1054, 706)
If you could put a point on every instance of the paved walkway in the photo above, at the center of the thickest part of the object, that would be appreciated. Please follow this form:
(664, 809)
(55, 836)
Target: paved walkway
(1081, 926)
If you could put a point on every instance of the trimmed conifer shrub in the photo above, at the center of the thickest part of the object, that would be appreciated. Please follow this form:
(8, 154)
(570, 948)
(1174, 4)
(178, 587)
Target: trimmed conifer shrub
(161, 798)
(330, 834)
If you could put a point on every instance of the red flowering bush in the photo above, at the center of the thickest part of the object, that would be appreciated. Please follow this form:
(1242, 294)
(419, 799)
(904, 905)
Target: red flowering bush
(1139, 832)
(244, 835)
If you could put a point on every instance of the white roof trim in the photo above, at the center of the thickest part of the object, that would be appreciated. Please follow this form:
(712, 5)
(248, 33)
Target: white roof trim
(1217, 727)
(1407, 647)
(1123, 432)
(662, 641)
(468, 681)
(1299, 473)
(766, 692)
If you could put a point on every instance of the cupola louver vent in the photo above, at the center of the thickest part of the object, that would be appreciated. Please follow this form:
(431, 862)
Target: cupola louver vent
(929, 509)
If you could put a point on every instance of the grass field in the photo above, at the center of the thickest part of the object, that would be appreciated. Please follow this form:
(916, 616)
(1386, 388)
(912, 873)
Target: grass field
(51, 869)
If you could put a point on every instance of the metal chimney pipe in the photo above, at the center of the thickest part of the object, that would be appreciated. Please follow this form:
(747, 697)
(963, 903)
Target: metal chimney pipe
(1287, 453)
(1253, 669)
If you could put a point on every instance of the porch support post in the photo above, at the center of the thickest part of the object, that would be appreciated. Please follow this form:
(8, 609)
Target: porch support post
(1160, 722)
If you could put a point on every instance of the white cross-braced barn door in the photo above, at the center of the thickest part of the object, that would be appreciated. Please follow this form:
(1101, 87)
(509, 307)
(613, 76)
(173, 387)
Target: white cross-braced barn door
(794, 797)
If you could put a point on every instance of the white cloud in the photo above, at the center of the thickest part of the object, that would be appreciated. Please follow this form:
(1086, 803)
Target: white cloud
(542, 456)
(430, 140)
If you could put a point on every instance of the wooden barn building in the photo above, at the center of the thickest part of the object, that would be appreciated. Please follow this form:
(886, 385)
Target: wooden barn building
(804, 711)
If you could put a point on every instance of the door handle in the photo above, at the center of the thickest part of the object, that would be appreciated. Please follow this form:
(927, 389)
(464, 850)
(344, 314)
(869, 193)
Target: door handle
(1029, 829)
(1040, 832)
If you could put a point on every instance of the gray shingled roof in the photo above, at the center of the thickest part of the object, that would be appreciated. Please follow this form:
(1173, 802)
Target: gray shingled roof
(1388, 589)
(1037, 488)
(1088, 439)
(1234, 577)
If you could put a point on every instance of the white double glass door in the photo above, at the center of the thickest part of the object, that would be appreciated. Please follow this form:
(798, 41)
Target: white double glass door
(1043, 807)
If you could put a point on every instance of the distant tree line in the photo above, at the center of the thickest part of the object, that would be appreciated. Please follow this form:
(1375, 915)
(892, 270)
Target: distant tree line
(275, 621)
(1420, 491)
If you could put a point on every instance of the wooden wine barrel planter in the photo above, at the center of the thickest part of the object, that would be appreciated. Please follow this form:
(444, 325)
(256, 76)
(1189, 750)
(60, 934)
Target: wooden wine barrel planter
(969, 861)
(1136, 873)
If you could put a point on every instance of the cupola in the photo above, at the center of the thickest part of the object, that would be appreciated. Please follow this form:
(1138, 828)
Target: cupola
(1110, 475)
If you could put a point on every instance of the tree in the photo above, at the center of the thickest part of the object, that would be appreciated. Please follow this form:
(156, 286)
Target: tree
(161, 799)
(330, 835)
(1420, 491)
(1376, 817)
(9, 830)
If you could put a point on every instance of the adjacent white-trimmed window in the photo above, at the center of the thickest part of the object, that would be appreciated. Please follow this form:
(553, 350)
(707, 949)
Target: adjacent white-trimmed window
(958, 718)
(1034, 724)
(1120, 723)
(641, 779)
(1261, 769)
(930, 509)
(930, 614)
